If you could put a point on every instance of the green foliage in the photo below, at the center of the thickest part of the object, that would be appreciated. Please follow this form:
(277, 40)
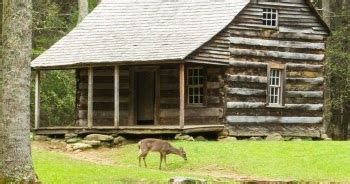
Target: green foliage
(302, 161)
(58, 98)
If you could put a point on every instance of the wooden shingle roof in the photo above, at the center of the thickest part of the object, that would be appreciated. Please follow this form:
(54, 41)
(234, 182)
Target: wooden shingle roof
(124, 31)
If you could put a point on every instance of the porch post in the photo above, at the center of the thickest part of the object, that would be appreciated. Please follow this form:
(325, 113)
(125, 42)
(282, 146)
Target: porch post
(90, 96)
(37, 100)
(116, 96)
(182, 95)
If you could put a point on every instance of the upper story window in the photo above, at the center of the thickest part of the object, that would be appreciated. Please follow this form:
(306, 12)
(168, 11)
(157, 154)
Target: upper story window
(195, 85)
(275, 87)
(270, 17)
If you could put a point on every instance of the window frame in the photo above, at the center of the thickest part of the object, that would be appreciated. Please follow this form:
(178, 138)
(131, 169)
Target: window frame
(203, 104)
(282, 82)
(271, 13)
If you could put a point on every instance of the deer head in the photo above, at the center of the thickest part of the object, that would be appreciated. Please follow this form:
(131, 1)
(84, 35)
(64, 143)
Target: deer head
(182, 153)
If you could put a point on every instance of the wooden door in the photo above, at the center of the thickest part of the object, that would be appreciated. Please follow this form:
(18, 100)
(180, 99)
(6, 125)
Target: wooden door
(145, 97)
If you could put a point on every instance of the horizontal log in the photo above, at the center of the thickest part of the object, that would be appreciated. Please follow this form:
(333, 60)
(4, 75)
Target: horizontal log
(306, 107)
(213, 85)
(318, 80)
(246, 78)
(285, 29)
(213, 99)
(305, 94)
(277, 54)
(101, 114)
(245, 105)
(104, 86)
(193, 112)
(294, 5)
(307, 67)
(247, 64)
(272, 119)
(286, 130)
(292, 35)
(276, 43)
(83, 99)
(246, 91)
(169, 100)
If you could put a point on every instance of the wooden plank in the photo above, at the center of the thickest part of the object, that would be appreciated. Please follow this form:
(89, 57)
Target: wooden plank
(193, 112)
(131, 118)
(273, 119)
(116, 96)
(313, 81)
(277, 54)
(90, 96)
(306, 107)
(157, 97)
(182, 95)
(37, 100)
(305, 94)
(248, 64)
(305, 67)
(276, 43)
(246, 78)
(245, 105)
(246, 91)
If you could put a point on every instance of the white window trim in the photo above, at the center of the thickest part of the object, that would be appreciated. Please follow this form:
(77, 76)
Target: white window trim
(280, 103)
(195, 86)
(277, 20)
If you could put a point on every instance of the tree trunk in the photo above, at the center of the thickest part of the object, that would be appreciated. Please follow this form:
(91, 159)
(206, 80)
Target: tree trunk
(15, 153)
(326, 10)
(83, 9)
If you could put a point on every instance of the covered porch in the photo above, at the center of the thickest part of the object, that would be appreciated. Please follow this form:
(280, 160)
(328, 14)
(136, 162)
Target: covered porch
(137, 99)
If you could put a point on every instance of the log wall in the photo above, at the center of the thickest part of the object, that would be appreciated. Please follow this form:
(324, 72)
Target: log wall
(103, 97)
(298, 43)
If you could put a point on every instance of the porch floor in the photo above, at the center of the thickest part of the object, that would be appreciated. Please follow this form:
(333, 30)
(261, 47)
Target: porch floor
(135, 130)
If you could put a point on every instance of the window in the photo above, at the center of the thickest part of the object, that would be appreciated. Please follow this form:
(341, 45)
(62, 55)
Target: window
(195, 85)
(275, 87)
(269, 17)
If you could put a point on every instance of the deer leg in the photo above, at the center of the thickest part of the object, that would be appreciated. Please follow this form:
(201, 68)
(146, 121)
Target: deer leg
(144, 161)
(165, 159)
(161, 159)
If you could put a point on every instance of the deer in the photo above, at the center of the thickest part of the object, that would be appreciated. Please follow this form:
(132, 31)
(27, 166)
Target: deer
(158, 145)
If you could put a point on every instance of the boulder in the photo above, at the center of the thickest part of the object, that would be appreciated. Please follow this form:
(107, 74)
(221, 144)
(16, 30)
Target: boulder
(92, 143)
(99, 137)
(224, 133)
(325, 137)
(228, 139)
(69, 136)
(184, 137)
(73, 140)
(274, 137)
(185, 180)
(119, 140)
(81, 146)
(200, 138)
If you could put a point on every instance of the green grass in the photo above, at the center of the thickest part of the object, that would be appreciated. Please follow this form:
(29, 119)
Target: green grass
(302, 161)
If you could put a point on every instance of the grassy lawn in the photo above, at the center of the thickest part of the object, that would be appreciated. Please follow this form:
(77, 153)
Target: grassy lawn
(302, 161)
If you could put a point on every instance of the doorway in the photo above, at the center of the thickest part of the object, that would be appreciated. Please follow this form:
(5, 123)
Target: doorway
(144, 97)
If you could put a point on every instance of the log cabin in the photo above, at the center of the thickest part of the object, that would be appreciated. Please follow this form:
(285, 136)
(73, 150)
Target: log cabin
(253, 67)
